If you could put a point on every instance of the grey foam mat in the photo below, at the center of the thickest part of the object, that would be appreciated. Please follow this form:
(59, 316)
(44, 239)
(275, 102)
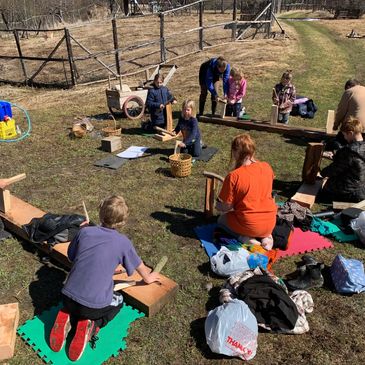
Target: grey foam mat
(111, 162)
(207, 154)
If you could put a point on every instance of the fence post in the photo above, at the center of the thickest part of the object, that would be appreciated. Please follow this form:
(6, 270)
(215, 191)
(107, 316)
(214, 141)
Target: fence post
(201, 9)
(162, 39)
(234, 18)
(70, 56)
(16, 35)
(116, 46)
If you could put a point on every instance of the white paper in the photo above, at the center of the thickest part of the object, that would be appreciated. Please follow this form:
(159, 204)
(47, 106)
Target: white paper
(133, 152)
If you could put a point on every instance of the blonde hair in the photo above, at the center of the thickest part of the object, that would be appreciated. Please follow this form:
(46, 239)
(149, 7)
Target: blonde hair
(113, 212)
(236, 73)
(242, 146)
(188, 103)
(352, 125)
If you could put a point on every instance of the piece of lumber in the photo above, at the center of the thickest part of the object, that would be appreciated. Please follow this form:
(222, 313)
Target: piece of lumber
(330, 121)
(147, 298)
(312, 162)
(9, 318)
(14, 179)
(211, 187)
(274, 114)
(313, 133)
(169, 120)
(159, 129)
(220, 110)
(306, 194)
(160, 264)
(5, 203)
(163, 137)
(344, 205)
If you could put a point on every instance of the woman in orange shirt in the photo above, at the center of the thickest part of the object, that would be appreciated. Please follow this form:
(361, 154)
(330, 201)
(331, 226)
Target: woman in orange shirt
(245, 201)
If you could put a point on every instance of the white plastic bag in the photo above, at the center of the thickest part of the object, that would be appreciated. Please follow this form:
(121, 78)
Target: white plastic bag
(231, 329)
(226, 262)
(358, 226)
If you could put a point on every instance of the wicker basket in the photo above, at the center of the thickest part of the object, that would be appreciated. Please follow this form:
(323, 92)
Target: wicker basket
(180, 164)
(114, 130)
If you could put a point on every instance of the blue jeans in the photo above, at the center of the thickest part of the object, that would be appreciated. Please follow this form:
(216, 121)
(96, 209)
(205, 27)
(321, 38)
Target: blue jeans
(194, 149)
(233, 109)
(283, 118)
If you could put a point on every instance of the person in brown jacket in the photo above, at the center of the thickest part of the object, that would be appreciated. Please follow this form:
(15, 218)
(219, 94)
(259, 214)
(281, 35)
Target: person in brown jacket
(352, 104)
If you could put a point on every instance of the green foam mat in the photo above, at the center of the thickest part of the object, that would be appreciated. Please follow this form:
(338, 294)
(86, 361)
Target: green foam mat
(35, 332)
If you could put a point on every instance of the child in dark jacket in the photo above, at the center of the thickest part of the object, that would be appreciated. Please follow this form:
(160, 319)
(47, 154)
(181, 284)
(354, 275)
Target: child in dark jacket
(284, 96)
(188, 126)
(346, 174)
(157, 98)
(88, 297)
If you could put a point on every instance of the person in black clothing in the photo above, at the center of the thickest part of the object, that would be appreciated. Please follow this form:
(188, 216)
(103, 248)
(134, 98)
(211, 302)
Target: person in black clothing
(346, 174)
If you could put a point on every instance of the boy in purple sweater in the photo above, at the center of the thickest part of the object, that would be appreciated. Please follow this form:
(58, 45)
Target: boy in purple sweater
(88, 295)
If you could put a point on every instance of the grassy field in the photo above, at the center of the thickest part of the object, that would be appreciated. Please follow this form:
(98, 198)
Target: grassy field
(164, 210)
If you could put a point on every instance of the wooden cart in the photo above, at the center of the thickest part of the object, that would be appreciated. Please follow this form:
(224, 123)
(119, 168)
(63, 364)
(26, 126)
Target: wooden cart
(131, 100)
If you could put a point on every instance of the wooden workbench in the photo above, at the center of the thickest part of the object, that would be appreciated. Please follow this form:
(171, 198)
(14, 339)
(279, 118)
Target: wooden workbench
(149, 299)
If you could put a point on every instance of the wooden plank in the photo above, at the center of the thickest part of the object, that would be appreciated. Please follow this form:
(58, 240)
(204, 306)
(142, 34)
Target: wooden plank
(344, 205)
(274, 114)
(169, 119)
(314, 133)
(306, 194)
(16, 178)
(221, 108)
(209, 197)
(5, 203)
(147, 298)
(330, 121)
(312, 162)
(9, 318)
(163, 137)
(150, 298)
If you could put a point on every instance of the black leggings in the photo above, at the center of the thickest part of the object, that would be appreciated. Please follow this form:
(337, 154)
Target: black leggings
(101, 316)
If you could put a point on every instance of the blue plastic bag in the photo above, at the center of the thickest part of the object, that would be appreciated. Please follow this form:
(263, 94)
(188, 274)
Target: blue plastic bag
(348, 275)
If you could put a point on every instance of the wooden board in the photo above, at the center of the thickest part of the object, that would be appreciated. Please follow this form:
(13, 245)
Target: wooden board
(9, 318)
(330, 121)
(221, 108)
(344, 205)
(147, 298)
(274, 114)
(312, 162)
(306, 194)
(314, 133)
(163, 137)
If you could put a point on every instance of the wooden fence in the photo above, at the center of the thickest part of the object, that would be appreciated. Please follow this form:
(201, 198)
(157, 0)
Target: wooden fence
(68, 61)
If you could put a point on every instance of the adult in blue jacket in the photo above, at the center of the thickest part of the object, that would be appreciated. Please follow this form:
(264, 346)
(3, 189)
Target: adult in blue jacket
(209, 74)
(157, 98)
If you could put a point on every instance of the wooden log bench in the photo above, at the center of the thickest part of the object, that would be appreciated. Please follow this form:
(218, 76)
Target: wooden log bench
(147, 298)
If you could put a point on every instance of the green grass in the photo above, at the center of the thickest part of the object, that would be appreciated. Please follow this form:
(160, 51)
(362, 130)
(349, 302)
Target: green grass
(164, 210)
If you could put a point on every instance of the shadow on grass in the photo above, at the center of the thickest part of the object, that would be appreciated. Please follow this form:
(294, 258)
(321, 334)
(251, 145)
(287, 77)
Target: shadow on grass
(45, 291)
(181, 221)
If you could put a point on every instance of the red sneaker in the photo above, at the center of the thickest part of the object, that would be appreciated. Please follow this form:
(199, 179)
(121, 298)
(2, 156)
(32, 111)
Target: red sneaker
(82, 336)
(59, 330)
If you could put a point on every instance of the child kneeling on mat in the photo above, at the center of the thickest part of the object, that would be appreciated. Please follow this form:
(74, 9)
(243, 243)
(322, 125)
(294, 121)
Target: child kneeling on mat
(188, 126)
(88, 297)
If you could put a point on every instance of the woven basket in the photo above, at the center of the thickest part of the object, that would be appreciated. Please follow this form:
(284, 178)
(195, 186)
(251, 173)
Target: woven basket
(78, 130)
(114, 130)
(180, 164)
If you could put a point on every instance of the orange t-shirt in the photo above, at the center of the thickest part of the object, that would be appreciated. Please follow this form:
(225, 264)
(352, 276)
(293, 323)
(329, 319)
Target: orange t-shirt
(248, 189)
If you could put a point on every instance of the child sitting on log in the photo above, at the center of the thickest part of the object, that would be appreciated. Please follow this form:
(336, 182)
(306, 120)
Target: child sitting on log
(284, 96)
(157, 98)
(88, 297)
(188, 126)
(346, 174)
(236, 92)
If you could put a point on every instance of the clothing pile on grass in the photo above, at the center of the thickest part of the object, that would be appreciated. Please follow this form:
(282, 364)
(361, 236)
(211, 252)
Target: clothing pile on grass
(304, 107)
(253, 298)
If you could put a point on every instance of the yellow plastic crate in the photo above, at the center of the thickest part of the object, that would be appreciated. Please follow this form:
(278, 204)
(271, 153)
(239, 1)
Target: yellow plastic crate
(7, 129)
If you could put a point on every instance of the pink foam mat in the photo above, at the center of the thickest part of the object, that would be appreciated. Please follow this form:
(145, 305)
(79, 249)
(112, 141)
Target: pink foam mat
(302, 242)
